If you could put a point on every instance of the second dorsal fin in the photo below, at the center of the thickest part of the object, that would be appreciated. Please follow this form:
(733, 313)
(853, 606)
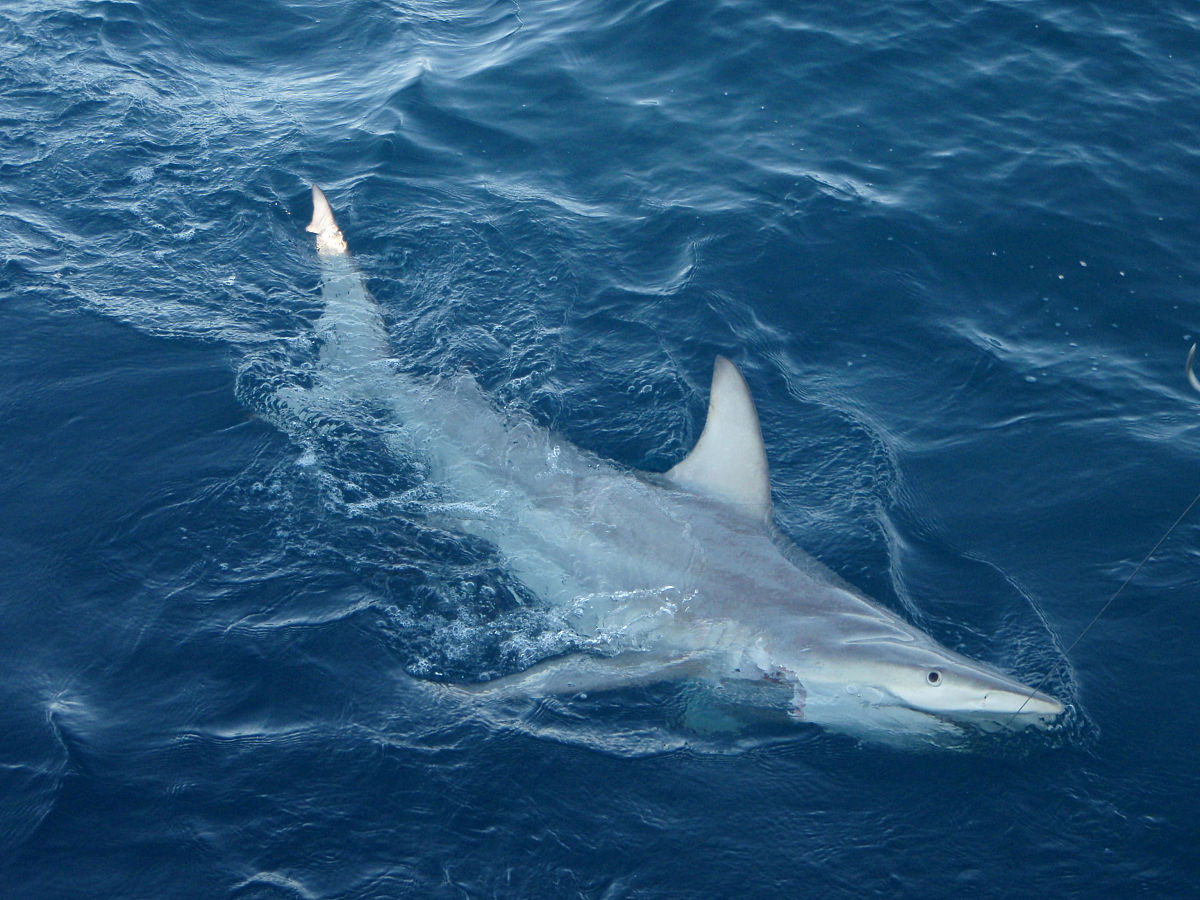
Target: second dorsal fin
(729, 461)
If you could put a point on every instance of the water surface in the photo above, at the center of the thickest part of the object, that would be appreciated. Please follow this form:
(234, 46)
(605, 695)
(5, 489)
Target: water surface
(950, 244)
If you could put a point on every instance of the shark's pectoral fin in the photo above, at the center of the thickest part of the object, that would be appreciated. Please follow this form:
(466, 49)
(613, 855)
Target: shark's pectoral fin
(799, 701)
(729, 461)
(582, 673)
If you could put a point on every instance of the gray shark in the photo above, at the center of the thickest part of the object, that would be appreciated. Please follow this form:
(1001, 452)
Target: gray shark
(681, 575)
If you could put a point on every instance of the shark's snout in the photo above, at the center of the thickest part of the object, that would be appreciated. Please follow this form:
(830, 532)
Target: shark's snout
(1031, 703)
(1000, 699)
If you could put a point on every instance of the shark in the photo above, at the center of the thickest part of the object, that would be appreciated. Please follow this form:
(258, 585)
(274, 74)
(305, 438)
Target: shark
(677, 576)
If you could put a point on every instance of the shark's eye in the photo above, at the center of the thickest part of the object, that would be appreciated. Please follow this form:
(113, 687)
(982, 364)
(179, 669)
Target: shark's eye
(934, 677)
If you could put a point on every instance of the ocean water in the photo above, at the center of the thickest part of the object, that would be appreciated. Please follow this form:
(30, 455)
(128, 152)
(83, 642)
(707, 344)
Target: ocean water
(953, 247)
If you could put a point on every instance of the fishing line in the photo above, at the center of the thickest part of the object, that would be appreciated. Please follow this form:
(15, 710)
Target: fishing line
(1194, 382)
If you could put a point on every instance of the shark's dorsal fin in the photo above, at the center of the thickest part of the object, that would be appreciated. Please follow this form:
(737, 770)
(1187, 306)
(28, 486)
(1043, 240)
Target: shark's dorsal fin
(729, 461)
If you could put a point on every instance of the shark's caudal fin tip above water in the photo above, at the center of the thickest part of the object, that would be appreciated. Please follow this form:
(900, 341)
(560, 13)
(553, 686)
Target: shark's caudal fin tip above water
(324, 225)
(729, 461)
(322, 213)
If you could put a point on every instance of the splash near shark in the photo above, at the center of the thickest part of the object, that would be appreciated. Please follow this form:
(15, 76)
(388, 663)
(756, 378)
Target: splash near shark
(684, 574)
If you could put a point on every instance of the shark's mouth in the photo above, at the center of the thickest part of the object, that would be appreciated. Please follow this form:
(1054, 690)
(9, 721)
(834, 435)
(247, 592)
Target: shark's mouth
(863, 710)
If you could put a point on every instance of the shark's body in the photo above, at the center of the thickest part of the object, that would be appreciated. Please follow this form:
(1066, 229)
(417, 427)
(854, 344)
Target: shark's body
(681, 575)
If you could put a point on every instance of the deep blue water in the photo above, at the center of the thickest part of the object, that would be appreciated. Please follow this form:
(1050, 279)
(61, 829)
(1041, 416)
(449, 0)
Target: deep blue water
(953, 246)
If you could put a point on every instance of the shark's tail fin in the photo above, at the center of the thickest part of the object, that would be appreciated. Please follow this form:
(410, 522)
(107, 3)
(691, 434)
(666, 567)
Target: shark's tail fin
(324, 226)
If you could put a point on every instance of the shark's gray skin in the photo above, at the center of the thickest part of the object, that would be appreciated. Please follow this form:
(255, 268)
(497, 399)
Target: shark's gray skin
(675, 576)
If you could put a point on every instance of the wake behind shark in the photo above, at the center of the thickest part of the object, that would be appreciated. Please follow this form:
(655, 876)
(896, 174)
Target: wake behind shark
(676, 576)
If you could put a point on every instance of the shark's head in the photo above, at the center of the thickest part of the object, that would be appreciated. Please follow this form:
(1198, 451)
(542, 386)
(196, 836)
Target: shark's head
(943, 683)
(891, 674)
